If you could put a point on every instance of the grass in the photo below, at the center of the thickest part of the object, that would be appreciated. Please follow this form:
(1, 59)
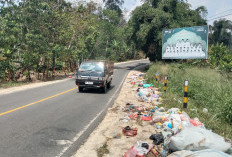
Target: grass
(11, 84)
(102, 150)
(59, 75)
(207, 89)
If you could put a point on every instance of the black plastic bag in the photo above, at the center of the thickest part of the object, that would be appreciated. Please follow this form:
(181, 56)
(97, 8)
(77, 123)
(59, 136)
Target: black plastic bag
(157, 139)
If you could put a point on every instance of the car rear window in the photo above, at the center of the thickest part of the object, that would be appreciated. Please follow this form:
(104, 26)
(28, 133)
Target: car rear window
(92, 66)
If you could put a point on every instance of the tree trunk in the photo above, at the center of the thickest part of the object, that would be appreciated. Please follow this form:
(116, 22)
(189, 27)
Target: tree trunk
(37, 71)
(53, 64)
(44, 70)
(47, 68)
(28, 75)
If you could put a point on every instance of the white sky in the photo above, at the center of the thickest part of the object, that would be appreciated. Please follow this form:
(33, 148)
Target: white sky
(214, 7)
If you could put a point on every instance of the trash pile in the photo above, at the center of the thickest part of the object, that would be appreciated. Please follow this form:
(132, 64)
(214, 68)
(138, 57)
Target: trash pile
(175, 133)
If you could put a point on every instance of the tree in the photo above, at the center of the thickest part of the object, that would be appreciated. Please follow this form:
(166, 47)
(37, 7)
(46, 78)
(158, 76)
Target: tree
(221, 32)
(41, 36)
(221, 57)
(147, 22)
(202, 11)
(114, 5)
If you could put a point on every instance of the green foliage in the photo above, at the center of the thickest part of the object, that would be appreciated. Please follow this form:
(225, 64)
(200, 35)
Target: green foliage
(111, 42)
(207, 89)
(114, 5)
(221, 57)
(221, 32)
(103, 150)
(147, 22)
(42, 36)
(2, 69)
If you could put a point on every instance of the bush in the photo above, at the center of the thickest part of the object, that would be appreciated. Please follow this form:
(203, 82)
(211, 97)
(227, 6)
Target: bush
(221, 57)
(2, 71)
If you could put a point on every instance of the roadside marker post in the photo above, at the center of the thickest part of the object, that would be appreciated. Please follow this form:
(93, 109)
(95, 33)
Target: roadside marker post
(165, 83)
(186, 93)
(156, 78)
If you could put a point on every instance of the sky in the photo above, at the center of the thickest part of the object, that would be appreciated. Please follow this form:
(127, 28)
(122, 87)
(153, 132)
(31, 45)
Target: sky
(216, 8)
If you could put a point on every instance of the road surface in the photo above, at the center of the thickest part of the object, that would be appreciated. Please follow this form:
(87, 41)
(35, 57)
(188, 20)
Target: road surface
(53, 120)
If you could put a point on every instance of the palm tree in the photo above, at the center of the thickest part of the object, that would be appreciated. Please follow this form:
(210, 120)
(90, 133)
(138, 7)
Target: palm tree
(221, 32)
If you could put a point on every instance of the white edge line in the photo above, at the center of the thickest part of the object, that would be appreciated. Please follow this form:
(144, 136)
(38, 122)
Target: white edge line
(130, 61)
(90, 123)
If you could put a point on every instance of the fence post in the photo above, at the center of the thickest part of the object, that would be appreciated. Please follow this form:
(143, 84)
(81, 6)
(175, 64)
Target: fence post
(156, 78)
(186, 93)
(165, 83)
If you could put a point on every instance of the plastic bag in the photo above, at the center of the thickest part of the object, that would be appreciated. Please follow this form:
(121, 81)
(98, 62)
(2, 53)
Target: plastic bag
(147, 118)
(174, 110)
(155, 96)
(126, 119)
(202, 153)
(196, 138)
(196, 122)
(147, 85)
(139, 150)
(133, 116)
(157, 139)
(127, 131)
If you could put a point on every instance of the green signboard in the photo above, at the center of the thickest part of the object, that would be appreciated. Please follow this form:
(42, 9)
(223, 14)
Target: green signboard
(185, 43)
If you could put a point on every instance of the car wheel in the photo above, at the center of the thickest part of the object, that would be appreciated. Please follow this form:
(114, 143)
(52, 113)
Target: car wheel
(109, 84)
(81, 89)
(104, 88)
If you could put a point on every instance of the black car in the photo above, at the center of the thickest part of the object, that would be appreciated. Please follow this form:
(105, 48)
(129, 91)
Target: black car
(95, 74)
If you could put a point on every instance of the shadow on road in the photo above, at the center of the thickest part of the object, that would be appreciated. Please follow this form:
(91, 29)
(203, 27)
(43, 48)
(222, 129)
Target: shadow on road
(130, 67)
(96, 91)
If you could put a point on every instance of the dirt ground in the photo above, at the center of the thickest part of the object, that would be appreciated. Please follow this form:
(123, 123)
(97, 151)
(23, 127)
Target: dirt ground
(109, 132)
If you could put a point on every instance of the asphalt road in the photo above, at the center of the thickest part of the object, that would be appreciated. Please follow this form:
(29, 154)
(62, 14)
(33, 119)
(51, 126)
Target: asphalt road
(53, 120)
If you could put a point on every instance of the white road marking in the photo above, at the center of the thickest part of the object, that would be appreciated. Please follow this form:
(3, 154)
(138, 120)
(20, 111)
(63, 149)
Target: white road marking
(91, 122)
(63, 142)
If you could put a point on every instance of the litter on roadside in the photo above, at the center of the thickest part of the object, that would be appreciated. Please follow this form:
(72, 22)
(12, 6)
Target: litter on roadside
(174, 130)
(139, 150)
(128, 131)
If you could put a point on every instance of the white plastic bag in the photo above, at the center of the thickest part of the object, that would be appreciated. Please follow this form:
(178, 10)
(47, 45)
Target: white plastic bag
(196, 138)
(202, 153)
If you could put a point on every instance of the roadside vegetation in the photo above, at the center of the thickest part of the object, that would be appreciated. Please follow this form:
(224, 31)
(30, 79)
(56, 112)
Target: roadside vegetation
(102, 150)
(208, 88)
(43, 37)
